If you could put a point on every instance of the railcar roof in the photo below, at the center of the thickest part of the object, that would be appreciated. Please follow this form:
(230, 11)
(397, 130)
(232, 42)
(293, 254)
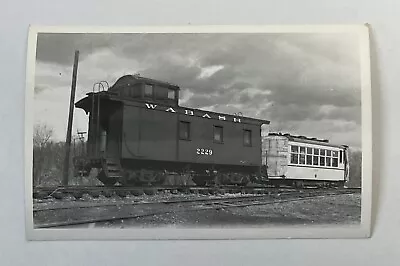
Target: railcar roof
(85, 104)
(263, 121)
(305, 139)
(133, 79)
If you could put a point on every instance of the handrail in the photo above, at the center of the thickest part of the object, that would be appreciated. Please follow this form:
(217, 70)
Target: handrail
(98, 87)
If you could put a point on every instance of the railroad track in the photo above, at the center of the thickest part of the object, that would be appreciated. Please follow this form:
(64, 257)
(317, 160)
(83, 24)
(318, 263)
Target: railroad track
(96, 191)
(108, 212)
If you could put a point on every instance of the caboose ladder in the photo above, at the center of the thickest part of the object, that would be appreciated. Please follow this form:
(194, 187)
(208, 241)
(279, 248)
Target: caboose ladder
(112, 168)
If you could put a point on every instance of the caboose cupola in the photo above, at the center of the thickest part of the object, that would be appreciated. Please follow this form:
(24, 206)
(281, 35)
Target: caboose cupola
(146, 89)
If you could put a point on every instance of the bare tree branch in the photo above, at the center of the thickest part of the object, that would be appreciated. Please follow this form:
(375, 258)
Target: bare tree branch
(41, 135)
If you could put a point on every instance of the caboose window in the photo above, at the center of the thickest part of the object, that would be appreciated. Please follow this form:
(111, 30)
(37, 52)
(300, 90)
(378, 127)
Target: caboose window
(295, 148)
(302, 149)
(184, 130)
(247, 137)
(335, 162)
(171, 94)
(309, 150)
(148, 90)
(218, 134)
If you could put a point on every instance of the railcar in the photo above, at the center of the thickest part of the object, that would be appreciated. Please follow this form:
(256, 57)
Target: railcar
(139, 134)
(302, 161)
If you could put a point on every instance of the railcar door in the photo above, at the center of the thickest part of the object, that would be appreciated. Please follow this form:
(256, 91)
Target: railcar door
(344, 163)
(277, 156)
(113, 127)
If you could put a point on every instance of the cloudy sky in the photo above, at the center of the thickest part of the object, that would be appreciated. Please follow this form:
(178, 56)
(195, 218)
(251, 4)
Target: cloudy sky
(306, 84)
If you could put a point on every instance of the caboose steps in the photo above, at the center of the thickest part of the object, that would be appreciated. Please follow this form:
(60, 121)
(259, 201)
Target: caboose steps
(111, 171)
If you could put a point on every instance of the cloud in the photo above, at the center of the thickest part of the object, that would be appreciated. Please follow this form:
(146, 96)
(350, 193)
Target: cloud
(291, 79)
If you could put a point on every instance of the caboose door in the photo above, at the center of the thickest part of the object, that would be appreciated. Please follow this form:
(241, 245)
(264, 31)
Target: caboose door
(113, 131)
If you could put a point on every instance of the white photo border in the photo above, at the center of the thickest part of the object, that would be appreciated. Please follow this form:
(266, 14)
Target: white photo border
(363, 230)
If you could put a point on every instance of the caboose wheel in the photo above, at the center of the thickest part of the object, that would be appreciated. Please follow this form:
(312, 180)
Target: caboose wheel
(77, 194)
(137, 192)
(106, 180)
(149, 191)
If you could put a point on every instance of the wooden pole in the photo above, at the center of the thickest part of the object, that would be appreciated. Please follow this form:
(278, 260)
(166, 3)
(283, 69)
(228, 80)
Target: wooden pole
(70, 118)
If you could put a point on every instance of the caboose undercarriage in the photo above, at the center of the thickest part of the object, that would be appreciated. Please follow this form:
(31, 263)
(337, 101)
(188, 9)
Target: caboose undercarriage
(149, 172)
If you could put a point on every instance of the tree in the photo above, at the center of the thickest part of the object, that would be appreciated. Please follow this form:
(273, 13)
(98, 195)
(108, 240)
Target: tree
(42, 135)
(355, 164)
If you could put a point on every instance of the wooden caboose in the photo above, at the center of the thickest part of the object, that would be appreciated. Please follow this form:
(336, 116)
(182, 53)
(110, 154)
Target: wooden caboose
(138, 131)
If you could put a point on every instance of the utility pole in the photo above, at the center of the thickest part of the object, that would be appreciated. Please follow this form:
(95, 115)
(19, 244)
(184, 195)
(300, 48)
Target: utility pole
(70, 118)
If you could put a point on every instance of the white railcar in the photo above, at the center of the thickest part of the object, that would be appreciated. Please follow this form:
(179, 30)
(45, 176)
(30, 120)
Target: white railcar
(300, 161)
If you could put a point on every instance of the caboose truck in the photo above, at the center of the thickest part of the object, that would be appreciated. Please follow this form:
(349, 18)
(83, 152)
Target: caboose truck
(138, 134)
(300, 161)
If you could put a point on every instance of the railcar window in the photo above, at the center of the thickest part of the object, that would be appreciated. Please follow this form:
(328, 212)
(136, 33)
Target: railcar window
(328, 153)
(322, 160)
(127, 91)
(341, 157)
(218, 134)
(294, 158)
(247, 137)
(302, 159)
(335, 153)
(309, 150)
(335, 162)
(315, 160)
(316, 151)
(302, 149)
(184, 130)
(309, 160)
(328, 161)
(148, 90)
(322, 152)
(171, 94)
(160, 92)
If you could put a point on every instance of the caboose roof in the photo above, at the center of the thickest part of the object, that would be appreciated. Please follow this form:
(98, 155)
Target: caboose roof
(85, 104)
(134, 79)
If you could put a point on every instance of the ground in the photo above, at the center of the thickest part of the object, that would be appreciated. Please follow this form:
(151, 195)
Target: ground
(334, 210)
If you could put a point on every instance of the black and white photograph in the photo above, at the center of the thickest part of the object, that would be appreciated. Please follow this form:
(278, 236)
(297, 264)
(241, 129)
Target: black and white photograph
(198, 132)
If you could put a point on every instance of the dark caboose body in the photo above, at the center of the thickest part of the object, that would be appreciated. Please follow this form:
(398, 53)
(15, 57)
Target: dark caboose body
(138, 133)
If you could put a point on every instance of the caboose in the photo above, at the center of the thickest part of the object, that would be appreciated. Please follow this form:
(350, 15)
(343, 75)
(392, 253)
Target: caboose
(139, 134)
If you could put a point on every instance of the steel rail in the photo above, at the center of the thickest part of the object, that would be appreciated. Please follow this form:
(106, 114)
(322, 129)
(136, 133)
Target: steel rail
(222, 203)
